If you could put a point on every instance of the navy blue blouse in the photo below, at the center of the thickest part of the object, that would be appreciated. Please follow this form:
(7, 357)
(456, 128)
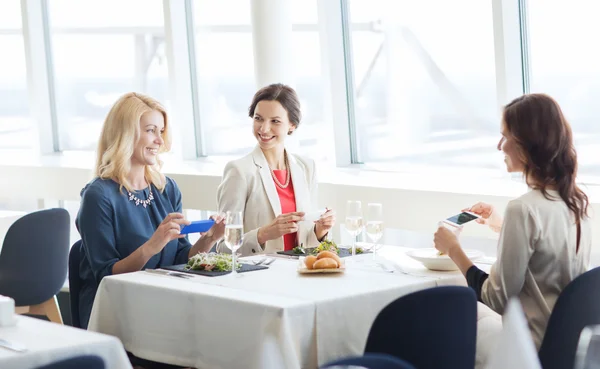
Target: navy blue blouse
(112, 227)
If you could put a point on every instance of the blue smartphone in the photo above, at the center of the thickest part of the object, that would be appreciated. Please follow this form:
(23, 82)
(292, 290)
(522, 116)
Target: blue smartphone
(198, 226)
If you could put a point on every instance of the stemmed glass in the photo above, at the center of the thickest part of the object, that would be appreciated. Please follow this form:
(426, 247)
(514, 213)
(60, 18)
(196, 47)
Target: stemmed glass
(234, 235)
(354, 221)
(374, 225)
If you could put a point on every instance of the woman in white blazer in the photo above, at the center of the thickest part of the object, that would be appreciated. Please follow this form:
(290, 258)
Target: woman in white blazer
(272, 187)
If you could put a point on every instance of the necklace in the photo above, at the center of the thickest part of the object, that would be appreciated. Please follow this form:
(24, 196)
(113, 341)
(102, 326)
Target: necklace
(138, 201)
(287, 179)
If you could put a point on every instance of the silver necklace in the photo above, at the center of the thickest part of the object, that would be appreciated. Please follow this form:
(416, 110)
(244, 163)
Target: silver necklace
(138, 201)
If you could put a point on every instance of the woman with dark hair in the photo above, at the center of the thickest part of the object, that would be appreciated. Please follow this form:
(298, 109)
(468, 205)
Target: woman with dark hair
(545, 238)
(272, 187)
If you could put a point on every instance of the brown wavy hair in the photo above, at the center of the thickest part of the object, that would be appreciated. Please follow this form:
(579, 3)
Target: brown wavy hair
(545, 144)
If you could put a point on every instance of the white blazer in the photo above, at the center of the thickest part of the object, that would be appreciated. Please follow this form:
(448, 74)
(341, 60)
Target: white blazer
(248, 186)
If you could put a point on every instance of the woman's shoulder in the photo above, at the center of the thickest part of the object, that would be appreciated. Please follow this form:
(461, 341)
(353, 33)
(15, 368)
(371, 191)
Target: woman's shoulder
(241, 165)
(100, 187)
(171, 186)
(307, 163)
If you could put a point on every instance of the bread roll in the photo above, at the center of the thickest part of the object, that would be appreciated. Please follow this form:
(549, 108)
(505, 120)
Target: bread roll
(325, 263)
(329, 254)
(309, 261)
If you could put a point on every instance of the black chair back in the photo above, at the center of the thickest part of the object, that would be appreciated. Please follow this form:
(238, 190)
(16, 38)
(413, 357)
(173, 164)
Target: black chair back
(430, 329)
(78, 362)
(371, 361)
(33, 261)
(75, 281)
(577, 307)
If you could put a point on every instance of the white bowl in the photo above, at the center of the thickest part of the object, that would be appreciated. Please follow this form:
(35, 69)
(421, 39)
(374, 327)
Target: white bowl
(431, 260)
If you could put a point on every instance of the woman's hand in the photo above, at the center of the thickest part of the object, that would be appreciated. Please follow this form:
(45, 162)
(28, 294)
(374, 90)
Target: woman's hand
(324, 224)
(445, 241)
(282, 225)
(216, 232)
(167, 231)
(488, 214)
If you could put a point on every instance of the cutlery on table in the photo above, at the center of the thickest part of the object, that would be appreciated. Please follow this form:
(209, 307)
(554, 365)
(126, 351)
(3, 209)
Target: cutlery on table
(168, 273)
(258, 262)
(269, 262)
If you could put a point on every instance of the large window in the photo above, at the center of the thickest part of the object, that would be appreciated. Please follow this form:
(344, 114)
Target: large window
(102, 49)
(226, 80)
(565, 63)
(16, 128)
(314, 138)
(225, 70)
(424, 84)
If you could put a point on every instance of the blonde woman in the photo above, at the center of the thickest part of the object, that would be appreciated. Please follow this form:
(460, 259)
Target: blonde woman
(130, 215)
(273, 188)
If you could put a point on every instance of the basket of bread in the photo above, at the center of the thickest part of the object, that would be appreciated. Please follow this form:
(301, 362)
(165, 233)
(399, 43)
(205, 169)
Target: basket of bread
(323, 262)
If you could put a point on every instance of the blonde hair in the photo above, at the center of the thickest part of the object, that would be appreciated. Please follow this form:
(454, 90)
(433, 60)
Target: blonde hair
(120, 133)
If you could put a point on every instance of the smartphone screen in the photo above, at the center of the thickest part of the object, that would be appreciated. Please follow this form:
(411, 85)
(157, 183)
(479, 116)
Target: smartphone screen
(462, 218)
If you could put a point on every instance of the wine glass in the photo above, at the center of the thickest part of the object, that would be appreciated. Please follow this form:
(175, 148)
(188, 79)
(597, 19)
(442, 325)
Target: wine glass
(354, 221)
(234, 235)
(374, 225)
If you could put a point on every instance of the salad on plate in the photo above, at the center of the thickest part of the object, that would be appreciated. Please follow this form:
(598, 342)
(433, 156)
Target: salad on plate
(211, 262)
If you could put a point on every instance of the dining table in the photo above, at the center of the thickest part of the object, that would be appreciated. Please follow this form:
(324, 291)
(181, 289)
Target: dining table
(31, 343)
(271, 318)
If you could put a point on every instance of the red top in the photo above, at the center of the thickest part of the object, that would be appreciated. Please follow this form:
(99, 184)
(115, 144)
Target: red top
(288, 205)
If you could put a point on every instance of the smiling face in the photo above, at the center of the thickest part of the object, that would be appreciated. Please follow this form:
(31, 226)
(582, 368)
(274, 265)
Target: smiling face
(509, 147)
(271, 124)
(152, 127)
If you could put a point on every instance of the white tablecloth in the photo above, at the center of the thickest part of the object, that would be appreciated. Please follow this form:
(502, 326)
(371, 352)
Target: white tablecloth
(49, 342)
(273, 318)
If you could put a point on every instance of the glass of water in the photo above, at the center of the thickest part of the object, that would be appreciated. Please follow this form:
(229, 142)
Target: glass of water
(374, 225)
(354, 221)
(234, 235)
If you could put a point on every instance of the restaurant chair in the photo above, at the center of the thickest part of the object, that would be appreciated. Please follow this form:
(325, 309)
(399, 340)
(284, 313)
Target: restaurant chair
(78, 362)
(370, 361)
(431, 329)
(588, 348)
(577, 306)
(33, 262)
(75, 282)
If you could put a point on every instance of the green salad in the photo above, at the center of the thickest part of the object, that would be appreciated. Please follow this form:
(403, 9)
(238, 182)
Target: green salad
(327, 246)
(211, 262)
(299, 250)
(323, 246)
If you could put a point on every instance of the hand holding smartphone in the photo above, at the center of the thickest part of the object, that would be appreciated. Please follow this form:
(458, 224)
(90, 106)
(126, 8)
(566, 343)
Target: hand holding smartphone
(461, 219)
(198, 226)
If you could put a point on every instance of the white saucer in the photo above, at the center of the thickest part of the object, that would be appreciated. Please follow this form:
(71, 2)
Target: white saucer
(430, 258)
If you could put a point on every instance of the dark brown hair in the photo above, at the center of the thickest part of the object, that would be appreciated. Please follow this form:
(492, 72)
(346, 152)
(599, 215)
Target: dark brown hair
(283, 94)
(545, 142)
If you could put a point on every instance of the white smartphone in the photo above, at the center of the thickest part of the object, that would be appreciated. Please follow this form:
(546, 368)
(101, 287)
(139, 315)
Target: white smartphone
(459, 220)
(313, 216)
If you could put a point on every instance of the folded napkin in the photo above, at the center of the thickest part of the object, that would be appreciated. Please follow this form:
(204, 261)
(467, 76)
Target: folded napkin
(7, 311)
(515, 347)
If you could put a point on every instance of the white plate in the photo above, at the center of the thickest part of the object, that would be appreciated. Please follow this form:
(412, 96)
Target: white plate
(302, 269)
(430, 258)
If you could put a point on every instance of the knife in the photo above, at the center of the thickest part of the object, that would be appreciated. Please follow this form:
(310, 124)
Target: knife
(165, 272)
(12, 346)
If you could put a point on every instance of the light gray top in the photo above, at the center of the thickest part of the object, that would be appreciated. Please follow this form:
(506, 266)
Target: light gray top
(537, 257)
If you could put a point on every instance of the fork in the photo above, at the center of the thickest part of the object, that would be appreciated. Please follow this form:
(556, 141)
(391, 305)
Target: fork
(259, 261)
